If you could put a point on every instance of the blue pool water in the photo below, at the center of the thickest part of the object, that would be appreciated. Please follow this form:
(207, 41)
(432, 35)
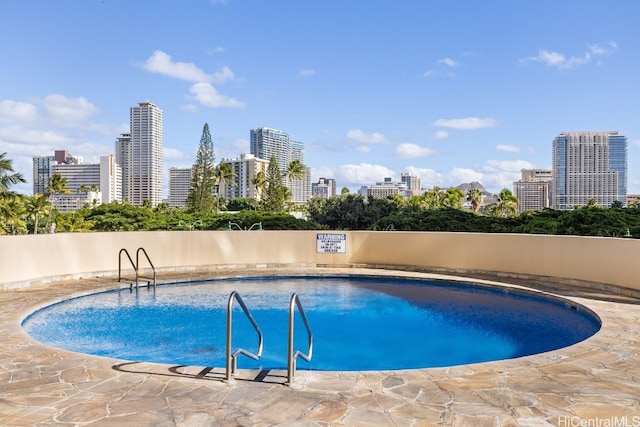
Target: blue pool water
(358, 323)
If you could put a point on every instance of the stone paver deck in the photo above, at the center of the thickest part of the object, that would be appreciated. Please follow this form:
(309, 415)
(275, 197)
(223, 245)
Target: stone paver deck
(595, 382)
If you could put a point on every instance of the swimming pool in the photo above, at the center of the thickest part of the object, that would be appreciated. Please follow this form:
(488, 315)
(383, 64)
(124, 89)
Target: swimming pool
(359, 323)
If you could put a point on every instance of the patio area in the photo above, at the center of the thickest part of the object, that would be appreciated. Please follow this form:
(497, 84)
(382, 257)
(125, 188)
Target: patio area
(594, 382)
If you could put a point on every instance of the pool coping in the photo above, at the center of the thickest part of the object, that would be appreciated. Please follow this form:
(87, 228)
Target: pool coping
(596, 379)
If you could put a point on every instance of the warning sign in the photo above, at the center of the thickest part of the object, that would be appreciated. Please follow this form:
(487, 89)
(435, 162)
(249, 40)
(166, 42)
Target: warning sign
(331, 243)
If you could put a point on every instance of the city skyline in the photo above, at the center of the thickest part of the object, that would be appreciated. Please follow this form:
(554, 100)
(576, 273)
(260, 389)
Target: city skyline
(450, 93)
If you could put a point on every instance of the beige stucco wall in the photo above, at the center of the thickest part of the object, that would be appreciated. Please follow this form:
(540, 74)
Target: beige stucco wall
(36, 258)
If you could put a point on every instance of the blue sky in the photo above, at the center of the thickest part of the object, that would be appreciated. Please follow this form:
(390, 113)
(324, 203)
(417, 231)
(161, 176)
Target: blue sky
(452, 91)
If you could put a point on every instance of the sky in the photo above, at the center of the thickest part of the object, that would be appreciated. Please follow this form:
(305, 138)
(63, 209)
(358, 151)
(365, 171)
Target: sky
(451, 91)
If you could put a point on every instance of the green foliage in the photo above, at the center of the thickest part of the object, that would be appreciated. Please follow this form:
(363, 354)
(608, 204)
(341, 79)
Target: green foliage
(276, 193)
(242, 203)
(201, 197)
(224, 176)
(121, 217)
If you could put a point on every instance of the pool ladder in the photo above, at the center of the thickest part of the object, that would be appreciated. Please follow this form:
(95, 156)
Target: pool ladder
(136, 266)
(292, 355)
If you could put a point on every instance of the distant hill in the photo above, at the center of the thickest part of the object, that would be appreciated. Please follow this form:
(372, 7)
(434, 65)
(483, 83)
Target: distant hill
(469, 185)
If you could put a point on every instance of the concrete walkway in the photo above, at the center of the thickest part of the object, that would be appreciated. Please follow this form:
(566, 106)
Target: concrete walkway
(596, 382)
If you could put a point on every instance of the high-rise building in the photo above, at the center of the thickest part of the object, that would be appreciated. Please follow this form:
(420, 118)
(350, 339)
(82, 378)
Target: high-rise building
(589, 165)
(43, 168)
(387, 188)
(267, 142)
(325, 187)
(533, 190)
(124, 156)
(413, 183)
(245, 170)
(110, 179)
(140, 155)
(179, 186)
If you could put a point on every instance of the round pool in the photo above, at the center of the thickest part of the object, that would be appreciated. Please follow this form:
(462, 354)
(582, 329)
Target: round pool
(358, 323)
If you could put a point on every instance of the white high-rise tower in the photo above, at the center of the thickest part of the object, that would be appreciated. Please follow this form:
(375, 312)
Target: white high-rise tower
(589, 165)
(141, 156)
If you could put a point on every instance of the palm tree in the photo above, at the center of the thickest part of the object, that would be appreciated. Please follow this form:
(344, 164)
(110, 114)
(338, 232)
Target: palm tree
(475, 197)
(295, 170)
(57, 185)
(259, 182)
(74, 222)
(12, 212)
(434, 198)
(507, 205)
(37, 206)
(224, 175)
(453, 198)
(8, 176)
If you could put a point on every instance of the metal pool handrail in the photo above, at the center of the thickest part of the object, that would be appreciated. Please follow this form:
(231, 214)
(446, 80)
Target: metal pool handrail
(135, 265)
(150, 263)
(232, 357)
(291, 365)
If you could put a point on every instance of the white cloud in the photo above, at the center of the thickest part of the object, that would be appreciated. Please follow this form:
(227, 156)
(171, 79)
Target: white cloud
(469, 123)
(412, 151)
(209, 96)
(441, 134)
(215, 50)
(603, 50)
(161, 63)
(361, 174)
(494, 175)
(172, 154)
(68, 111)
(306, 73)
(20, 134)
(189, 107)
(562, 62)
(508, 148)
(357, 135)
(500, 174)
(363, 149)
(13, 111)
(429, 178)
(457, 176)
(448, 62)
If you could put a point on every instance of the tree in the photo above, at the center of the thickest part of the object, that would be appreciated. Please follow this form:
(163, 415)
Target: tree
(37, 206)
(275, 192)
(475, 197)
(434, 198)
(344, 191)
(11, 207)
(201, 197)
(506, 206)
(8, 176)
(259, 182)
(74, 222)
(57, 185)
(295, 170)
(12, 212)
(453, 198)
(224, 176)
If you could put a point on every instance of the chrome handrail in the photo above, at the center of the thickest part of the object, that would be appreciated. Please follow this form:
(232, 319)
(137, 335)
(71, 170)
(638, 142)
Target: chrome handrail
(232, 357)
(291, 364)
(135, 268)
(136, 265)
(150, 263)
